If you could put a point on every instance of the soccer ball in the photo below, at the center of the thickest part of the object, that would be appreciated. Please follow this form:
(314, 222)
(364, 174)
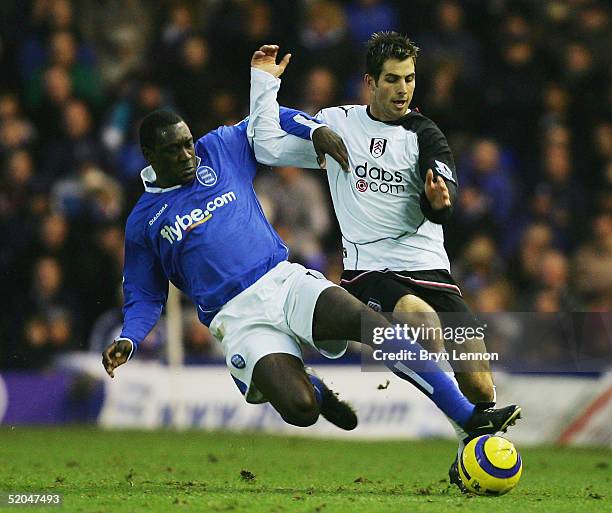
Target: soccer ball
(490, 465)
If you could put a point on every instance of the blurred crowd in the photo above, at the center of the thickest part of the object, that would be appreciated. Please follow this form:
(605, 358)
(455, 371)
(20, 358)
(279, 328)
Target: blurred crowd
(521, 89)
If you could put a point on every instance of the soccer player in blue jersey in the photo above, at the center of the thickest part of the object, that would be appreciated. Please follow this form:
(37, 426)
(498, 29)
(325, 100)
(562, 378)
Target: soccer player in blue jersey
(199, 225)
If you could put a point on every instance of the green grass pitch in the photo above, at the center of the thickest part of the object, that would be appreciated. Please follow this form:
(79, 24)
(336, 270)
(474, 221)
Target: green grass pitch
(162, 471)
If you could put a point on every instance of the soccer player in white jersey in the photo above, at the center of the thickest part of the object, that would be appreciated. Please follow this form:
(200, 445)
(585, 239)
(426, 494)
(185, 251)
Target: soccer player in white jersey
(401, 188)
(199, 225)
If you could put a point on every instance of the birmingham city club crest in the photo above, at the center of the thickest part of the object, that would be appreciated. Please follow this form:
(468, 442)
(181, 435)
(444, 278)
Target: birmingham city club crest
(238, 361)
(378, 147)
(206, 176)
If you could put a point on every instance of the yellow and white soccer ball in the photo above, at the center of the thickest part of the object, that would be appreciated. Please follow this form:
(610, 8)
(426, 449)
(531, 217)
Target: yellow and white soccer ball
(490, 465)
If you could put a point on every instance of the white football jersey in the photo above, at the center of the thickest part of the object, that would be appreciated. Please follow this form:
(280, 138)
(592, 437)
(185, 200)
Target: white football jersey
(378, 202)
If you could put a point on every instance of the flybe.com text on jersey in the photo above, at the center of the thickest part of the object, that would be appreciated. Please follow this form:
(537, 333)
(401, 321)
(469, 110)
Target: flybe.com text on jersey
(187, 222)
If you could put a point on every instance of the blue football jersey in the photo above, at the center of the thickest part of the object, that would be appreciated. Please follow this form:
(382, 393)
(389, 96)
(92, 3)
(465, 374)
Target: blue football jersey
(209, 237)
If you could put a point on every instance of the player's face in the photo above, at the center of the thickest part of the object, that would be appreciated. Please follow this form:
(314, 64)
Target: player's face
(392, 93)
(173, 159)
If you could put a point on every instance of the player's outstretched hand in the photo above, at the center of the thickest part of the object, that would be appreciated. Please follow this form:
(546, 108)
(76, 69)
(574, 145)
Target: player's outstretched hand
(436, 191)
(326, 141)
(115, 355)
(265, 60)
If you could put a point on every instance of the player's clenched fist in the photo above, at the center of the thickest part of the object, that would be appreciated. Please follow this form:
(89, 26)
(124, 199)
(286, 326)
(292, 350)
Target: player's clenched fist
(265, 60)
(116, 354)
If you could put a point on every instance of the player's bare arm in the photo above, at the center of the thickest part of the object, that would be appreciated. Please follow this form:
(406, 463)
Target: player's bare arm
(116, 354)
(436, 191)
(324, 139)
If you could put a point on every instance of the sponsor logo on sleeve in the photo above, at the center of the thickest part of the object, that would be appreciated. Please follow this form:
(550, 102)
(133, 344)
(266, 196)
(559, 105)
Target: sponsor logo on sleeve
(444, 170)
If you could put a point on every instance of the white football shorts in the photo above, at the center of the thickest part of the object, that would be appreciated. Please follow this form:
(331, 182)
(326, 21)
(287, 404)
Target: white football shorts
(274, 315)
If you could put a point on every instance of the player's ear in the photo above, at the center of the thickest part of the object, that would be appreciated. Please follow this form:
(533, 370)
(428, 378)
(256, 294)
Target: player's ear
(148, 154)
(369, 81)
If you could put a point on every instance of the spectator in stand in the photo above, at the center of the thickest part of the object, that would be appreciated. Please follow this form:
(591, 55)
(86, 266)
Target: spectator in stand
(593, 27)
(448, 99)
(34, 349)
(235, 27)
(486, 196)
(323, 42)
(90, 196)
(555, 103)
(53, 240)
(69, 156)
(587, 86)
(63, 53)
(536, 240)
(554, 279)
(48, 292)
(193, 74)
(77, 143)
(558, 198)
(368, 16)
(320, 90)
(104, 251)
(512, 94)
(120, 130)
(119, 32)
(177, 23)
(295, 204)
(479, 266)
(450, 41)
(47, 109)
(597, 161)
(16, 131)
(489, 170)
(592, 266)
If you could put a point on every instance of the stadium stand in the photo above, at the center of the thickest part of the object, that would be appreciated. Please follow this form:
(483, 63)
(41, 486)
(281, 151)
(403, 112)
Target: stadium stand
(522, 90)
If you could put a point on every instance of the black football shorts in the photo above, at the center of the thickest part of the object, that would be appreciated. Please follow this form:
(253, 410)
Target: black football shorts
(381, 290)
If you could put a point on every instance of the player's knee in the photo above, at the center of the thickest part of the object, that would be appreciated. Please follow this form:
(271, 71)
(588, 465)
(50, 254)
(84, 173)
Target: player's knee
(412, 304)
(302, 411)
(412, 310)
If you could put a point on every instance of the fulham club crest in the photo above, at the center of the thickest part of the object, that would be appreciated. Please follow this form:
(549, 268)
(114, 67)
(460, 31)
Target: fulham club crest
(378, 147)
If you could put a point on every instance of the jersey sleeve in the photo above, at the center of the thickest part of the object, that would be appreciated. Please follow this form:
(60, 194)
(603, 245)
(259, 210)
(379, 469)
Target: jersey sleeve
(279, 136)
(145, 288)
(435, 154)
(298, 123)
(229, 145)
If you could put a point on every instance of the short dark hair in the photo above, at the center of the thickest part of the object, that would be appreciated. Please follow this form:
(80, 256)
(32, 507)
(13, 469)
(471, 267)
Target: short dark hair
(153, 122)
(387, 45)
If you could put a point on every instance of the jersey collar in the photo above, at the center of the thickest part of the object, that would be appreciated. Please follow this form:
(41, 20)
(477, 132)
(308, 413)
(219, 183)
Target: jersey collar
(395, 122)
(148, 176)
